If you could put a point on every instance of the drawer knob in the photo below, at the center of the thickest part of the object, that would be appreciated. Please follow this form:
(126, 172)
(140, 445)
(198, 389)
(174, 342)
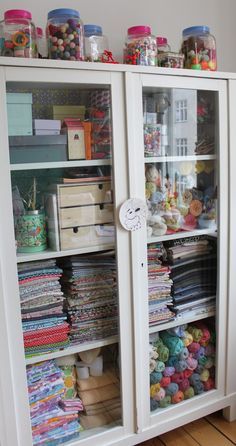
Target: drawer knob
(133, 214)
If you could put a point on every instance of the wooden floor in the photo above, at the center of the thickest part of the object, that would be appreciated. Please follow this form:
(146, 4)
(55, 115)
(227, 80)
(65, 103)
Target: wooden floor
(213, 430)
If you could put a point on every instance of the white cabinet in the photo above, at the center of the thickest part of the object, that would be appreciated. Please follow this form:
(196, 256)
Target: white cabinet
(160, 136)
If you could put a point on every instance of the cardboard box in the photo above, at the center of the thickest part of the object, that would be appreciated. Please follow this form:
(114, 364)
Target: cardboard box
(47, 126)
(19, 112)
(68, 111)
(79, 138)
(38, 149)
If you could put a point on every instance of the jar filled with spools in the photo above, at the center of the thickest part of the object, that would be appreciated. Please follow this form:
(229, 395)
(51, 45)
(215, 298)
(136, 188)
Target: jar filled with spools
(18, 34)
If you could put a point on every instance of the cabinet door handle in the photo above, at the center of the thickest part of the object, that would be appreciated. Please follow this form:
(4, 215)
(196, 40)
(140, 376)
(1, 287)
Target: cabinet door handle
(133, 214)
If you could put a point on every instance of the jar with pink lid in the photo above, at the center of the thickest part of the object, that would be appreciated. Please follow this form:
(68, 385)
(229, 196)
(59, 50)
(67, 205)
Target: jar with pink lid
(18, 34)
(162, 45)
(140, 46)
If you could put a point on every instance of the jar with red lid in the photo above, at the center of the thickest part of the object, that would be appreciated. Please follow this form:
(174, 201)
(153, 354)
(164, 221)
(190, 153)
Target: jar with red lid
(18, 34)
(140, 46)
(199, 48)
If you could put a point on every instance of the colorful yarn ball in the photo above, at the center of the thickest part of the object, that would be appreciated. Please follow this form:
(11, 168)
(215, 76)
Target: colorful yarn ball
(187, 373)
(191, 363)
(177, 397)
(169, 371)
(173, 343)
(194, 347)
(180, 365)
(165, 402)
(160, 366)
(187, 339)
(195, 332)
(210, 362)
(172, 389)
(159, 395)
(177, 377)
(184, 385)
(184, 354)
(154, 389)
(205, 375)
(189, 393)
(209, 384)
(155, 377)
(165, 381)
(153, 404)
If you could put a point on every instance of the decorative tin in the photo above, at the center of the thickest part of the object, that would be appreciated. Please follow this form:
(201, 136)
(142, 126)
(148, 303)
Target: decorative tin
(30, 231)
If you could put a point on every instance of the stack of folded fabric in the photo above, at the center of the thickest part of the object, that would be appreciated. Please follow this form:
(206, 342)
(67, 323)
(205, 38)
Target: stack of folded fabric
(159, 285)
(45, 326)
(193, 271)
(53, 420)
(100, 396)
(89, 284)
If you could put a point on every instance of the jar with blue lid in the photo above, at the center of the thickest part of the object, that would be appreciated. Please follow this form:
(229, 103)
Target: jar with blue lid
(199, 48)
(65, 35)
(95, 43)
(18, 34)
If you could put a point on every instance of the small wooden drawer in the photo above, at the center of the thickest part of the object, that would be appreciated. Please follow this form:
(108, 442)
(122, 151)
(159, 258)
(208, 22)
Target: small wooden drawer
(79, 195)
(81, 237)
(86, 215)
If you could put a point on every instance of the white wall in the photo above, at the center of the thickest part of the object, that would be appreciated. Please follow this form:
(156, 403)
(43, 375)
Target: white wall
(166, 17)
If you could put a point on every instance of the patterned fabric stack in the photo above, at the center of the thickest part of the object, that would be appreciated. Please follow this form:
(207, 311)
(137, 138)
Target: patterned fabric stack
(193, 271)
(159, 285)
(53, 420)
(44, 323)
(89, 284)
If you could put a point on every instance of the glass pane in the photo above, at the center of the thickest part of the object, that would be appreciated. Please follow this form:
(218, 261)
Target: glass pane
(65, 241)
(181, 179)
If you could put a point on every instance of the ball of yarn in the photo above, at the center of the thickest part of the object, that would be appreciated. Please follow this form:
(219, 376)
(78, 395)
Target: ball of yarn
(177, 377)
(187, 373)
(169, 371)
(200, 353)
(154, 389)
(177, 397)
(210, 362)
(174, 343)
(171, 361)
(180, 365)
(172, 389)
(189, 393)
(191, 363)
(177, 331)
(210, 350)
(159, 395)
(202, 360)
(184, 354)
(165, 402)
(194, 379)
(194, 347)
(195, 332)
(155, 377)
(198, 388)
(160, 366)
(162, 350)
(187, 339)
(153, 404)
(199, 369)
(165, 381)
(184, 385)
(209, 384)
(204, 376)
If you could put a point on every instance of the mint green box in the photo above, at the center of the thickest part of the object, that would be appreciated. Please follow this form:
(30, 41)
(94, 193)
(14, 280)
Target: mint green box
(19, 112)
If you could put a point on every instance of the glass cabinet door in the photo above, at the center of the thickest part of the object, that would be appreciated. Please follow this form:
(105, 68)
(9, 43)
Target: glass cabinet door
(182, 179)
(72, 300)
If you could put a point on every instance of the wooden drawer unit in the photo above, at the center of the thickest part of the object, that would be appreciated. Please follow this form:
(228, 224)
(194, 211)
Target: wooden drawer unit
(84, 213)
(84, 194)
(84, 236)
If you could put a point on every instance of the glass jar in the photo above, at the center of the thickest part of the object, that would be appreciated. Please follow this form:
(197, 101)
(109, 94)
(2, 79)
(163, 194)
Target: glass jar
(95, 43)
(162, 45)
(41, 43)
(18, 34)
(65, 35)
(140, 46)
(199, 48)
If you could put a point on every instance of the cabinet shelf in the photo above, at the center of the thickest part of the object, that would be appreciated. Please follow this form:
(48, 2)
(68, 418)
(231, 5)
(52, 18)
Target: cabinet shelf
(60, 164)
(172, 159)
(49, 253)
(183, 234)
(191, 316)
(72, 350)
